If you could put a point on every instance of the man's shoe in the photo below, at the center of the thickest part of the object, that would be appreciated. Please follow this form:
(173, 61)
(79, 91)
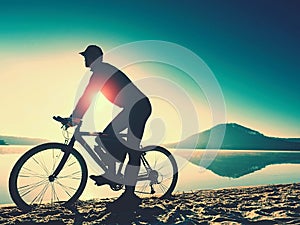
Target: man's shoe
(100, 180)
(126, 201)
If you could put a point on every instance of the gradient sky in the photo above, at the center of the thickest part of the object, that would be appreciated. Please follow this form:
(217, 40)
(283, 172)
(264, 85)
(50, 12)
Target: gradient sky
(252, 47)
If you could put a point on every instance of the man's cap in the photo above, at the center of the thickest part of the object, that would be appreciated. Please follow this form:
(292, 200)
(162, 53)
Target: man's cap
(92, 50)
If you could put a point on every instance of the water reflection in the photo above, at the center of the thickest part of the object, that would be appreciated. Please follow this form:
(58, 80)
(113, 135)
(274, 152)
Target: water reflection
(235, 164)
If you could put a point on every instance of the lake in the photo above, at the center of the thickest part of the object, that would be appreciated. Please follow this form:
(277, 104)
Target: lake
(198, 169)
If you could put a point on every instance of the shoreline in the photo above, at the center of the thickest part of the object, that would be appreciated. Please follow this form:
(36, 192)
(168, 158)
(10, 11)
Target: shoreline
(269, 204)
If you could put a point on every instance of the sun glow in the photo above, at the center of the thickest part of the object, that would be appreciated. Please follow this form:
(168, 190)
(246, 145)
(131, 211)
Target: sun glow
(38, 87)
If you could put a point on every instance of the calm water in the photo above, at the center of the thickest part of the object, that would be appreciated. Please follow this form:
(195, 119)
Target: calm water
(197, 170)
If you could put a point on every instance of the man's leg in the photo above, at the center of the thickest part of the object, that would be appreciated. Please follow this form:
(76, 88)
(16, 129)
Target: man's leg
(117, 125)
(137, 121)
(113, 129)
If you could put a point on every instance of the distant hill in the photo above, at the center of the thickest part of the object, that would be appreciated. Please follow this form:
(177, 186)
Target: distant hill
(238, 137)
(11, 140)
(292, 139)
(2, 142)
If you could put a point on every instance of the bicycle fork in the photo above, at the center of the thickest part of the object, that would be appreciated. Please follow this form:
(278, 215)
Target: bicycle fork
(63, 161)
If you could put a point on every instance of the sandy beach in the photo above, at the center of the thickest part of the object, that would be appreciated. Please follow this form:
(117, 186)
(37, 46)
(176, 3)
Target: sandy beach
(273, 204)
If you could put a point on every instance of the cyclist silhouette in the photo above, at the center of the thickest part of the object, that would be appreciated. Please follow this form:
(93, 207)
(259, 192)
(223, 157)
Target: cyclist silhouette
(136, 109)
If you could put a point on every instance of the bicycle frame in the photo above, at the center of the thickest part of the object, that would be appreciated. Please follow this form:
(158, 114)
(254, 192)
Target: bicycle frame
(78, 136)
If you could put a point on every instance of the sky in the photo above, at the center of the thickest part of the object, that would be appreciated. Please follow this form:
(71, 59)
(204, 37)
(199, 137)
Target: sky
(250, 47)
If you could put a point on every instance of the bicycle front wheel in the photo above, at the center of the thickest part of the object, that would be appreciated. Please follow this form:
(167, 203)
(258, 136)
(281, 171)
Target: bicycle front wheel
(31, 183)
(158, 173)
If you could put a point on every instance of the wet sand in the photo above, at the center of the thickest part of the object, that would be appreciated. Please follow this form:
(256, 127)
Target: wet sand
(273, 204)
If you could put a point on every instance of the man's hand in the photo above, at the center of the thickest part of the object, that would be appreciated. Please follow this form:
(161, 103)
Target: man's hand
(73, 122)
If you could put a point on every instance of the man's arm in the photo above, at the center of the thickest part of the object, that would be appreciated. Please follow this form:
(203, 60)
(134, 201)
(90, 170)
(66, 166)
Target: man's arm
(93, 87)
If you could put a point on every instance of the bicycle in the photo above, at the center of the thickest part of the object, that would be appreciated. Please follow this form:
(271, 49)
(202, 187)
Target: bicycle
(57, 172)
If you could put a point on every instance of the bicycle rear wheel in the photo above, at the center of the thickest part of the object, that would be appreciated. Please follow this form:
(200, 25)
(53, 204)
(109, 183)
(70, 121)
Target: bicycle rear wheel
(158, 173)
(30, 181)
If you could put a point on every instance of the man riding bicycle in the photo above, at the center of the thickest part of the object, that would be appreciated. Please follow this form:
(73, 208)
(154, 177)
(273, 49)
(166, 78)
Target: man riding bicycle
(136, 109)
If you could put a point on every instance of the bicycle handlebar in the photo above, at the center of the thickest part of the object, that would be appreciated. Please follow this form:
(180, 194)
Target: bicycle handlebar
(67, 122)
(63, 121)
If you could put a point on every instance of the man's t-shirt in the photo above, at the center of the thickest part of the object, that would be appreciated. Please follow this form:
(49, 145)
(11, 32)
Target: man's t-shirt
(113, 84)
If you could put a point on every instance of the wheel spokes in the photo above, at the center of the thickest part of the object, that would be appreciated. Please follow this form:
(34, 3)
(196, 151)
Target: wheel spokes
(26, 189)
(41, 194)
(34, 184)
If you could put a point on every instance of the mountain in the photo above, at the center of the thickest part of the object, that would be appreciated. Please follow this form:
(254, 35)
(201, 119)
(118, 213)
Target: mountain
(11, 140)
(236, 137)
